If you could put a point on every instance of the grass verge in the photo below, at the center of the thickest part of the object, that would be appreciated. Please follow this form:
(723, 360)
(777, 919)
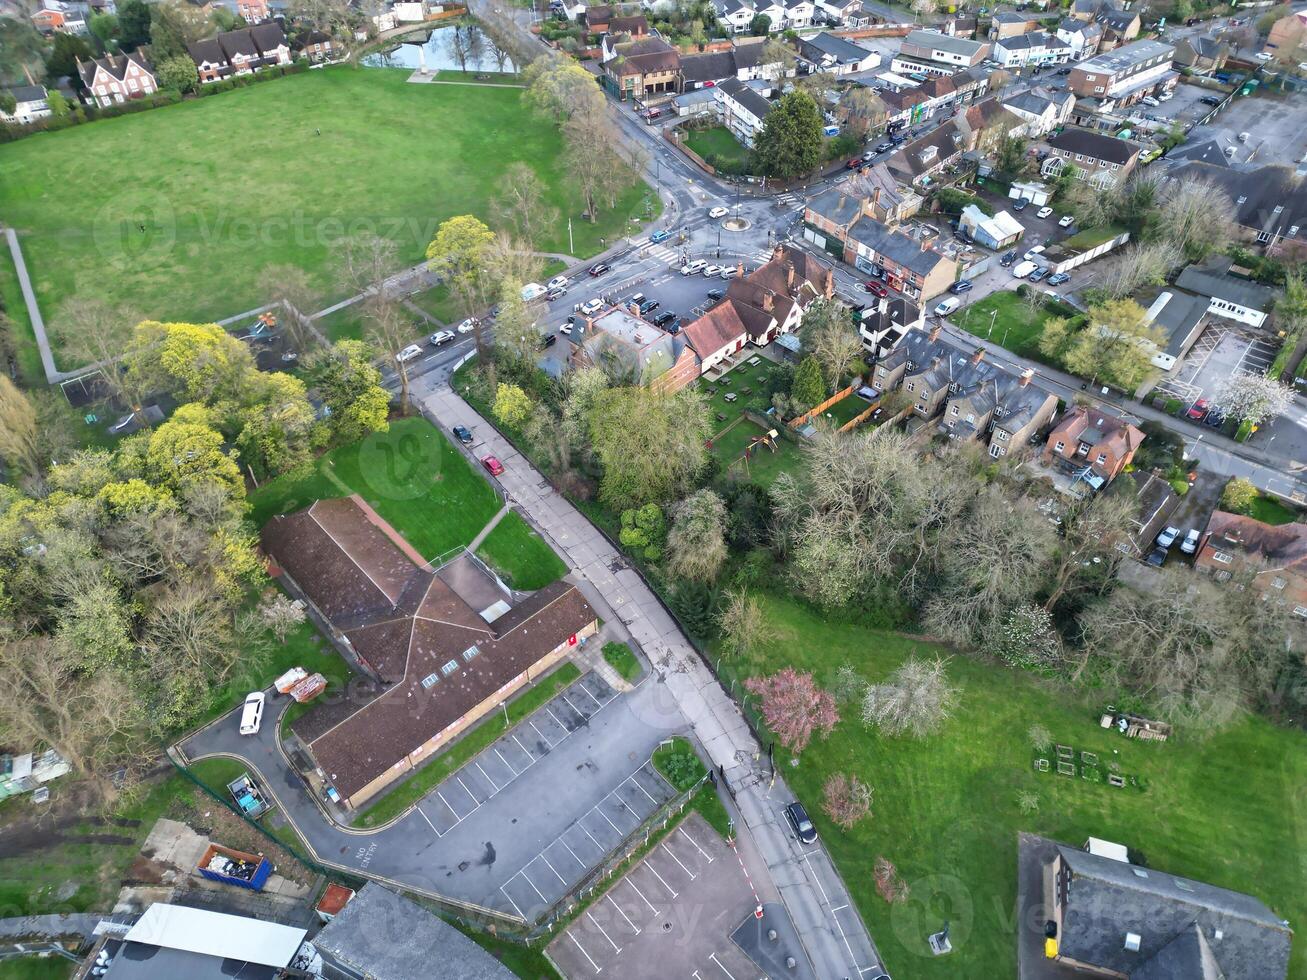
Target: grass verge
(520, 556)
(682, 767)
(622, 660)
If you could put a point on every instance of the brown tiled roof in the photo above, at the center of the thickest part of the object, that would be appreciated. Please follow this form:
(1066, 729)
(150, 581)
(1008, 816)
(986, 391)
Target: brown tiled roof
(1279, 548)
(716, 329)
(629, 25)
(1105, 429)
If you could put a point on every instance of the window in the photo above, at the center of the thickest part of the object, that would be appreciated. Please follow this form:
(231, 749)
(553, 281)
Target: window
(953, 410)
(1059, 447)
(471, 652)
(430, 681)
(1000, 435)
(1300, 611)
(449, 667)
(1278, 582)
(1222, 557)
(1102, 458)
(996, 451)
(971, 419)
(924, 394)
(1079, 157)
(912, 385)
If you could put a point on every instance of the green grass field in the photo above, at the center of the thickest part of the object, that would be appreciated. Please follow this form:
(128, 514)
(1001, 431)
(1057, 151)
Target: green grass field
(729, 446)
(519, 555)
(1229, 810)
(1268, 510)
(175, 211)
(717, 141)
(845, 410)
(622, 660)
(36, 968)
(1016, 327)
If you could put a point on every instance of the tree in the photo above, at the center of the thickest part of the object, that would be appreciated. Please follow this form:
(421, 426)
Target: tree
(924, 8)
(104, 28)
(517, 339)
(696, 545)
(1135, 206)
(67, 50)
(1026, 638)
(1010, 155)
(777, 58)
(288, 286)
(389, 329)
(889, 883)
(592, 163)
(1252, 398)
(1086, 202)
(459, 254)
(863, 111)
(846, 799)
(520, 205)
(644, 529)
(1198, 217)
(849, 686)
(809, 388)
(1040, 738)
(1239, 496)
(1149, 264)
(584, 386)
(915, 701)
(275, 426)
(280, 615)
(133, 24)
(195, 361)
(790, 142)
(1056, 338)
(331, 17)
(57, 103)
(20, 434)
(226, 20)
(1116, 346)
(364, 262)
(95, 332)
(174, 24)
(7, 102)
(760, 26)
(178, 72)
(562, 89)
(830, 338)
(350, 387)
(1087, 556)
(186, 450)
(794, 707)
(512, 405)
(22, 52)
(742, 624)
(650, 444)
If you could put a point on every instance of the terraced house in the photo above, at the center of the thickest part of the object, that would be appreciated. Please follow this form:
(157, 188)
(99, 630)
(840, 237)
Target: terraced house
(918, 272)
(240, 52)
(1001, 411)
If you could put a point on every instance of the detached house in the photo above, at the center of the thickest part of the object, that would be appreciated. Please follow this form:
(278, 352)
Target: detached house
(1011, 23)
(29, 104)
(642, 68)
(829, 53)
(627, 346)
(1202, 54)
(1083, 37)
(735, 14)
(1274, 557)
(1041, 110)
(116, 78)
(1094, 440)
(1096, 157)
(916, 162)
(240, 52)
(1119, 26)
(886, 322)
(743, 109)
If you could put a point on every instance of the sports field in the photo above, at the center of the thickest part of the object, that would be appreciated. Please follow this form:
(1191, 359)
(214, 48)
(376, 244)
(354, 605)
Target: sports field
(173, 212)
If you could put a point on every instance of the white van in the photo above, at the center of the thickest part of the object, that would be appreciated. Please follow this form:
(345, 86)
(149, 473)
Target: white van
(1023, 269)
(948, 306)
(252, 714)
(532, 290)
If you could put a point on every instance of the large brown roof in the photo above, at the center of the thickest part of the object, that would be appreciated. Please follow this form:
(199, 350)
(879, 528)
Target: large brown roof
(1279, 548)
(716, 329)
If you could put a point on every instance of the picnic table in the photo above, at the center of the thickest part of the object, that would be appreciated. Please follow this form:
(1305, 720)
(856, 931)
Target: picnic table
(730, 396)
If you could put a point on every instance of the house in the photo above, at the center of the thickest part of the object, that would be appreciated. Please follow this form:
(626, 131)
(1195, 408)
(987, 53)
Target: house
(629, 347)
(595, 19)
(999, 232)
(1181, 317)
(829, 214)
(56, 16)
(1002, 410)
(706, 69)
(115, 78)
(1034, 48)
(1011, 23)
(1229, 296)
(29, 104)
(254, 11)
(829, 53)
(1041, 110)
(318, 47)
(1152, 501)
(984, 125)
(1274, 557)
(1118, 919)
(737, 15)
(886, 322)
(634, 27)
(1203, 54)
(180, 941)
(1287, 34)
(743, 109)
(717, 335)
(442, 664)
(919, 273)
(1083, 37)
(749, 65)
(1090, 438)
(384, 936)
(643, 68)
(798, 15)
(1270, 202)
(1124, 76)
(1119, 26)
(774, 11)
(939, 54)
(916, 162)
(840, 11)
(240, 52)
(1087, 10)
(1096, 157)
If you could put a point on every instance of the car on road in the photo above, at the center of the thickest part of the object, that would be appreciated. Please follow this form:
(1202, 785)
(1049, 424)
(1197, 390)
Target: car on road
(548, 340)
(664, 318)
(1210, 100)
(648, 306)
(565, 329)
(884, 147)
(591, 307)
(718, 212)
(468, 325)
(1057, 278)
(1023, 269)
(1064, 71)
(558, 292)
(558, 282)
(1007, 260)
(712, 270)
(1038, 274)
(1243, 137)
(463, 434)
(854, 164)
(408, 353)
(960, 287)
(1066, 221)
(1215, 418)
(599, 268)
(252, 713)
(1044, 212)
(1198, 410)
(875, 288)
(1190, 543)
(693, 268)
(1020, 204)
(1157, 557)
(441, 337)
(1034, 253)
(493, 466)
(715, 295)
(658, 237)
(730, 271)
(800, 824)
(948, 306)
(1167, 537)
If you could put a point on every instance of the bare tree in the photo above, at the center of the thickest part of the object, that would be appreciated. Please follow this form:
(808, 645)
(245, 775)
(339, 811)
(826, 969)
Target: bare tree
(281, 615)
(589, 158)
(1087, 556)
(520, 206)
(1198, 217)
(829, 336)
(460, 46)
(1140, 265)
(742, 623)
(288, 287)
(846, 799)
(20, 433)
(915, 700)
(849, 686)
(388, 327)
(889, 883)
(510, 259)
(365, 261)
(96, 332)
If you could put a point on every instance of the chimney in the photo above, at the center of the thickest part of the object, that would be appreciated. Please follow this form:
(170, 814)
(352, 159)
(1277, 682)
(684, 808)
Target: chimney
(883, 305)
(978, 356)
(875, 195)
(740, 270)
(1026, 375)
(777, 252)
(934, 333)
(789, 275)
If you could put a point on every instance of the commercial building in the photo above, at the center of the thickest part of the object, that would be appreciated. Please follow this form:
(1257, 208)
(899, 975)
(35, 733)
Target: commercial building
(938, 54)
(1123, 76)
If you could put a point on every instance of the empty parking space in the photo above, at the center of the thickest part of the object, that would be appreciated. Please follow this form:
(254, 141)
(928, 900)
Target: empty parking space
(670, 916)
(563, 862)
(478, 781)
(1223, 350)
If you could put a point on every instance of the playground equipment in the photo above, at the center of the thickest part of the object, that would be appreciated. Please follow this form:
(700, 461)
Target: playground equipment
(768, 439)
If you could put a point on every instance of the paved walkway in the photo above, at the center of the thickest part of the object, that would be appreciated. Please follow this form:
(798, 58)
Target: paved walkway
(490, 526)
(56, 926)
(834, 936)
(52, 374)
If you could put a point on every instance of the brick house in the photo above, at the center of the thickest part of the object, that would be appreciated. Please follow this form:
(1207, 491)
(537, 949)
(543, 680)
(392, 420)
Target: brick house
(318, 47)
(919, 273)
(1096, 157)
(254, 11)
(642, 68)
(1274, 558)
(1092, 438)
(240, 52)
(1002, 411)
(116, 78)
(597, 18)
(1011, 23)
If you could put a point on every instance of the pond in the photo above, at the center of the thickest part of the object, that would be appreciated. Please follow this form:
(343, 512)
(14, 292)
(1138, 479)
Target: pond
(439, 51)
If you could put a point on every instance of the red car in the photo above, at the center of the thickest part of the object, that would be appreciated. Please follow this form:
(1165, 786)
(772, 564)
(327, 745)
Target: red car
(1199, 409)
(854, 164)
(875, 288)
(493, 466)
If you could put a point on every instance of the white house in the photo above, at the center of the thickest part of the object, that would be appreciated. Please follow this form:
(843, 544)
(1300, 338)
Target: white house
(829, 53)
(1034, 48)
(30, 105)
(743, 109)
(410, 11)
(775, 11)
(799, 14)
(1228, 296)
(1042, 110)
(735, 14)
(840, 11)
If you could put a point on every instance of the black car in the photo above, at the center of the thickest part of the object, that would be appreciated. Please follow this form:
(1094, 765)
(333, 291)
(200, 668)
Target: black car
(1038, 274)
(1215, 419)
(961, 286)
(463, 434)
(1007, 260)
(716, 294)
(799, 822)
(665, 317)
(1210, 100)
(674, 326)
(1157, 557)
(1020, 204)
(548, 340)
(648, 306)
(897, 140)
(599, 268)
(1064, 71)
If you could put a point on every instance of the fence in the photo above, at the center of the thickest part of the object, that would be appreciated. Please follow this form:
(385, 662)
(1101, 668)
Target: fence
(802, 420)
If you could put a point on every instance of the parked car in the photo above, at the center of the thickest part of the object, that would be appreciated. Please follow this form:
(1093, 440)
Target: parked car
(1034, 253)
(599, 268)
(1210, 100)
(960, 287)
(408, 353)
(493, 466)
(1057, 278)
(1157, 557)
(1066, 221)
(1148, 100)
(558, 292)
(1023, 269)
(712, 270)
(884, 147)
(1263, 56)
(1198, 410)
(693, 268)
(1044, 212)
(1007, 260)
(566, 329)
(1190, 543)
(948, 306)
(591, 307)
(463, 434)
(1167, 537)
(1020, 204)
(1215, 418)
(718, 212)
(468, 325)
(799, 822)
(441, 337)
(664, 318)
(875, 288)
(648, 306)
(1243, 137)
(558, 282)
(853, 164)
(715, 295)
(730, 271)
(548, 340)
(252, 713)
(1038, 274)
(1064, 71)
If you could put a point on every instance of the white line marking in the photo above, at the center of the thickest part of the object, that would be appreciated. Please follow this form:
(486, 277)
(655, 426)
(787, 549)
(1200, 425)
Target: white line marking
(696, 975)
(696, 846)
(550, 711)
(645, 792)
(610, 823)
(604, 931)
(591, 696)
(510, 898)
(834, 918)
(506, 762)
(446, 802)
(623, 914)
(488, 779)
(571, 852)
(467, 791)
(602, 849)
(598, 969)
(660, 878)
(428, 820)
(572, 706)
(540, 733)
(713, 957)
(532, 884)
(840, 909)
(677, 860)
(521, 746)
(542, 857)
(641, 894)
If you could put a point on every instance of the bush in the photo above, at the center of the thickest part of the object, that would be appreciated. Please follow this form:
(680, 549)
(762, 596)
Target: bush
(1238, 496)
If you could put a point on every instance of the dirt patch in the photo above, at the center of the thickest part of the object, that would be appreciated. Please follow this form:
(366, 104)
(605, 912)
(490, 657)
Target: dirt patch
(207, 816)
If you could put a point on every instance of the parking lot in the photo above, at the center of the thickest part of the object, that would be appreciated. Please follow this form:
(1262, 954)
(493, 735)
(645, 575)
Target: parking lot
(1276, 125)
(672, 915)
(1223, 349)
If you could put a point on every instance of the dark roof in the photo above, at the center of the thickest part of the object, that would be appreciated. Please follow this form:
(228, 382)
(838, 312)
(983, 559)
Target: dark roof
(747, 55)
(1013, 17)
(1094, 145)
(1214, 280)
(1118, 20)
(1108, 899)
(649, 54)
(929, 153)
(268, 36)
(845, 52)
(835, 206)
(1033, 39)
(896, 246)
(1208, 151)
(629, 25)
(1179, 316)
(114, 64)
(711, 66)
(598, 14)
(27, 93)
(746, 97)
(1271, 199)
(387, 937)
(206, 51)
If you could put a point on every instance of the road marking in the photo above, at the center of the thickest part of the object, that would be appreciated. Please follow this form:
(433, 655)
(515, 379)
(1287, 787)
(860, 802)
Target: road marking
(571, 852)
(592, 697)
(488, 779)
(572, 706)
(542, 857)
(555, 717)
(468, 791)
(696, 975)
(713, 957)
(514, 904)
(834, 918)
(446, 802)
(602, 849)
(540, 733)
(598, 969)
(610, 823)
(645, 792)
(641, 894)
(840, 909)
(660, 878)
(528, 880)
(521, 746)
(678, 861)
(428, 820)
(604, 931)
(696, 846)
(506, 763)
(622, 913)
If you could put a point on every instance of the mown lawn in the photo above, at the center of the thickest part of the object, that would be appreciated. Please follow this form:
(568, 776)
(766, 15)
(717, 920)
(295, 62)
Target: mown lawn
(1228, 810)
(1268, 510)
(519, 555)
(36, 968)
(1016, 327)
(273, 173)
(717, 141)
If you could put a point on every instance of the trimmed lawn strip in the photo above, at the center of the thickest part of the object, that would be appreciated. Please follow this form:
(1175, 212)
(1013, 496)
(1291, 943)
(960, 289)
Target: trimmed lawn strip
(622, 660)
(846, 410)
(1083, 241)
(217, 773)
(36, 968)
(1268, 510)
(1016, 327)
(344, 324)
(520, 556)
(26, 353)
(947, 805)
(717, 141)
(474, 741)
(440, 303)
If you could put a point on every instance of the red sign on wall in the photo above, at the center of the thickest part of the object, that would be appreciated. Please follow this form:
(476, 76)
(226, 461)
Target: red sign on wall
(571, 640)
